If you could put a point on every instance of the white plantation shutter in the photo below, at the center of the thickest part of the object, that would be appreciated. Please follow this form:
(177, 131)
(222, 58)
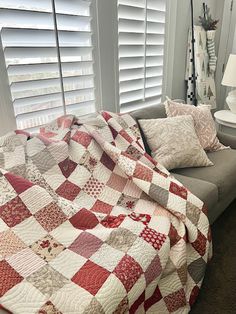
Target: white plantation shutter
(141, 26)
(28, 34)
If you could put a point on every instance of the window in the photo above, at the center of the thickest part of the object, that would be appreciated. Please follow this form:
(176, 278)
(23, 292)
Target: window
(49, 58)
(141, 27)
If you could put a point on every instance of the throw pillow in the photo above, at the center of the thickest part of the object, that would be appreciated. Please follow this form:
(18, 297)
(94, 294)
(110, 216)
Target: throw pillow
(174, 142)
(203, 122)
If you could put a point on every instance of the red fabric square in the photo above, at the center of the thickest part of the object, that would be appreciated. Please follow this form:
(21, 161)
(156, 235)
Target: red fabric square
(126, 136)
(86, 244)
(9, 277)
(91, 277)
(156, 297)
(156, 239)
(50, 217)
(14, 212)
(101, 207)
(18, 183)
(67, 167)
(107, 161)
(175, 300)
(82, 138)
(117, 182)
(128, 271)
(84, 219)
(143, 173)
(153, 271)
(68, 190)
(137, 303)
(200, 244)
(178, 190)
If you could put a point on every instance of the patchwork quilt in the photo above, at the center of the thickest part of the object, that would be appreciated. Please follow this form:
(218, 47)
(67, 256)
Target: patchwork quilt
(90, 223)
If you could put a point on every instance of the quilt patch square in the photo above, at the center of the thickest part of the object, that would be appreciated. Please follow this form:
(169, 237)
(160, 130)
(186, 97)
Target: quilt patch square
(50, 217)
(18, 183)
(47, 248)
(26, 262)
(121, 239)
(84, 219)
(10, 243)
(101, 207)
(107, 161)
(178, 190)
(67, 167)
(14, 212)
(143, 172)
(47, 280)
(156, 239)
(91, 277)
(68, 263)
(68, 190)
(107, 257)
(82, 138)
(43, 161)
(117, 182)
(128, 271)
(9, 277)
(31, 227)
(86, 244)
(93, 187)
(175, 300)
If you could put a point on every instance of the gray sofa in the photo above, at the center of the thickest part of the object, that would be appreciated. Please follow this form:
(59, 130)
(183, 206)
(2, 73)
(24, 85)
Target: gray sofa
(216, 185)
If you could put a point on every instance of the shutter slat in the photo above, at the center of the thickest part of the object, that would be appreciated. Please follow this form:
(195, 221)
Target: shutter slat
(43, 38)
(141, 26)
(31, 56)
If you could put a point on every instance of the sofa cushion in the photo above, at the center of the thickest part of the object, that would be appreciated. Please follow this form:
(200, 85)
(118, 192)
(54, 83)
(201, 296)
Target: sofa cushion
(222, 174)
(152, 112)
(174, 142)
(206, 191)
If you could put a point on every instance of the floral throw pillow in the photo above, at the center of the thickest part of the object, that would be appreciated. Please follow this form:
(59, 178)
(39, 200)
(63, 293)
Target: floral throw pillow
(174, 142)
(203, 122)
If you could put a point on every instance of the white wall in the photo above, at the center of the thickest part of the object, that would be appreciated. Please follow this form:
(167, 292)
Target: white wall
(183, 22)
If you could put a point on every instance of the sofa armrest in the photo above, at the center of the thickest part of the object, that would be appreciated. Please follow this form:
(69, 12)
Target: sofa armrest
(227, 139)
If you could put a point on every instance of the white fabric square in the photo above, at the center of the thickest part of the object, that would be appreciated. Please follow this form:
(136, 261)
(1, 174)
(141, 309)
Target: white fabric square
(101, 173)
(35, 198)
(59, 151)
(68, 263)
(29, 231)
(23, 298)
(15, 158)
(26, 262)
(107, 257)
(104, 294)
(3, 225)
(54, 177)
(76, 151)
(34, 146)
(67, 301)
(137, 252)
(65, 233)
(80, 176)
(110, 196)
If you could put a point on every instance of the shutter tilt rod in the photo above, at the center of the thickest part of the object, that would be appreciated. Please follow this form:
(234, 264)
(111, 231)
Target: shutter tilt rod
(193, 56)
(59, 56)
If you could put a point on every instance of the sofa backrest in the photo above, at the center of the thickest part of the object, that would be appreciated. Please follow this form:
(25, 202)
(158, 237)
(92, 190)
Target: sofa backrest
(153, 112)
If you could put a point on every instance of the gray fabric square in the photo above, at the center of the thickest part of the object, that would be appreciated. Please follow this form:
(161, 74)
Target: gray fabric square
(159, 194)
(193, 213)
(121, 239)
(197, 270)
(44, 161)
